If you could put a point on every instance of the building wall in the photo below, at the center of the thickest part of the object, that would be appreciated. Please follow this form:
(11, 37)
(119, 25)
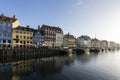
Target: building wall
(95, 43)
(83, 43)
(50, 34)
(16, 24)
(22, 38)
(59, 40)
(38, 39)
(65, 42)
(71, 43)
(104, 44)
(5, 34)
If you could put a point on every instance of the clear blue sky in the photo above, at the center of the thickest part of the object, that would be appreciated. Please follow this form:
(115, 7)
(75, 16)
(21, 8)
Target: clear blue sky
(79, 17)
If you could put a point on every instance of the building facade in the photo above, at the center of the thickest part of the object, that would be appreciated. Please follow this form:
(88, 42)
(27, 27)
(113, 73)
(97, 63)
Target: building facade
(69, 41)
(38, 38)
(95, 43)
(104, 44)
(83, 41)
(50, 37)
(6, 31)
(23, 37)
(59, 40)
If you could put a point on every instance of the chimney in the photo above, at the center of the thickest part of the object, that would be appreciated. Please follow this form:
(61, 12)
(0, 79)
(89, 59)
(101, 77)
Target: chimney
(2, 14)
(14, 16)
(27, 26)
(38, 26)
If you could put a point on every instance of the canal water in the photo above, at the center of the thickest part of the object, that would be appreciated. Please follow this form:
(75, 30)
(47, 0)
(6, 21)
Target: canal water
(89, 66)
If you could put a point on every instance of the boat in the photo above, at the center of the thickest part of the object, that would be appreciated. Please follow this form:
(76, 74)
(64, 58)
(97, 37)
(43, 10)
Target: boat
(78, 51)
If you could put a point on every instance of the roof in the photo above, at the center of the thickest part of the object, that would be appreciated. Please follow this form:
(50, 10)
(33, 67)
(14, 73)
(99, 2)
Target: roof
(6, 18)
(27, 28)
(85, 37)
(52, 28)
(69, 36)
(38, 30)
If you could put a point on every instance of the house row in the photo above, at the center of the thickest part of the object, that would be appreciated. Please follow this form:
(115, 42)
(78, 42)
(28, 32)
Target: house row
(45, 35)
(86, 41)
(13, 35)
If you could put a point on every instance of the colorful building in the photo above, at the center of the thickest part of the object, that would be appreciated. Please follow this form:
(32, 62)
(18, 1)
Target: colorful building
(95, 43)
(83, 41)
(69, 41)
(6, 24)
(59, 39)
(23, 37)
(38, 39)
(50, 35)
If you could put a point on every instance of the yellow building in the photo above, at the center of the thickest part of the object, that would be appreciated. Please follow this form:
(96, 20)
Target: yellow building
(69, 41)
(22, 37)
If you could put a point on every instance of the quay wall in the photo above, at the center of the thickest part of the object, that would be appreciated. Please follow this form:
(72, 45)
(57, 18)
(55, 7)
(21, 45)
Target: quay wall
(11, 55)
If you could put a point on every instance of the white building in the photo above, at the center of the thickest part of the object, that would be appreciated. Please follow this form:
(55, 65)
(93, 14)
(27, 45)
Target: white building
(83, 41)
(95, 43)
(59, 39)
(104, 44)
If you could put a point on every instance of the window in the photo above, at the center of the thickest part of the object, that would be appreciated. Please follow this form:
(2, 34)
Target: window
(21, 42)
(4, 41)
(30, 37)
(9, 35)
(17, 41)
(17, 31)
(31, 33)
(24, 32)
(24, 37)
(9, 41)
(24, 42)
(20, 32)
(17, 36)
(27, 37)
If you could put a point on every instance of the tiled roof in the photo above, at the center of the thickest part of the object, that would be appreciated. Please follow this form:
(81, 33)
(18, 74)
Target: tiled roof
(51, 27)
(85, 37)
(6, 18)
(25, 28)
(69, 36)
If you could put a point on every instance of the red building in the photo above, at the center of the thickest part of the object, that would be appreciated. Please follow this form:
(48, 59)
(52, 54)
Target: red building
(50, 34)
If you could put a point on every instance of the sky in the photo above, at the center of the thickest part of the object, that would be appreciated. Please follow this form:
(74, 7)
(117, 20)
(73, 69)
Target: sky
(95, 18)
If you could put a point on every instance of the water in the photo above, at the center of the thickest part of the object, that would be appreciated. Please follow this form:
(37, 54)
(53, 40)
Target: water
(101, 66)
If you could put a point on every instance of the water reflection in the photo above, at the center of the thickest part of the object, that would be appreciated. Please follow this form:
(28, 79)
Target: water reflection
(70, 67)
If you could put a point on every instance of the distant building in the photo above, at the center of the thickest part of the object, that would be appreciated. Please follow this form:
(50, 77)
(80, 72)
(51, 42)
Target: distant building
(51, 35)
(69, 41)
(95, 43)
(23, 37)
(113, 45)
(38, 38)
(6, 31)
(104, 44)
(83, 41)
